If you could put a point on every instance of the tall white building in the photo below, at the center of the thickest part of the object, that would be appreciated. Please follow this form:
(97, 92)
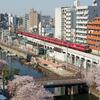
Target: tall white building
(83, 15)
(11, 21)
(58, 33)
(65, 23)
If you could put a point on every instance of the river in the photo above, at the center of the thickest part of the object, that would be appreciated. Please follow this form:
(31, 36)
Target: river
(26, 70)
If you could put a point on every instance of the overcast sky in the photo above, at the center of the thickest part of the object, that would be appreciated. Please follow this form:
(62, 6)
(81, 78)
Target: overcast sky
(46, 7)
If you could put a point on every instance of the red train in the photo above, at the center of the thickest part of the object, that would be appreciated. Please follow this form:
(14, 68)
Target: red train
(75, 46)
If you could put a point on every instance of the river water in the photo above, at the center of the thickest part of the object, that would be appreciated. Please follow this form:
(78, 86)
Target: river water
(26, 70)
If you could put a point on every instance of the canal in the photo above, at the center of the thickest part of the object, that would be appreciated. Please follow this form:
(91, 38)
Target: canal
(27, 70)
(24, 69)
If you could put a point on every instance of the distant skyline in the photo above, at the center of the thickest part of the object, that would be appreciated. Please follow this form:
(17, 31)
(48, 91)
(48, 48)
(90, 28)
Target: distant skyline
(46, 7)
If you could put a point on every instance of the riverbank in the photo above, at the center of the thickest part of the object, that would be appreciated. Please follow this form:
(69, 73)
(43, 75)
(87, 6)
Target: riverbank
(14, 50)
(56, 68)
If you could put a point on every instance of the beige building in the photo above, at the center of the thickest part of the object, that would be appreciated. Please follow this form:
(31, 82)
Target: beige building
(33, 20)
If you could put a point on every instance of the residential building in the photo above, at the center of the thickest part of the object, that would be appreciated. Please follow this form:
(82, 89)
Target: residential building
(4, 21)
(46, 26)
(65, 23)
(12, 23)
(47, 21)
(33, 20)
(83, 15)
(71, 22)
(25, 22)
(93, 36)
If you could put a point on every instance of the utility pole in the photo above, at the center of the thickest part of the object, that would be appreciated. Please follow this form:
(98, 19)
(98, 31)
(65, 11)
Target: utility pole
(67, 56)
(44, 47)
(2, 35)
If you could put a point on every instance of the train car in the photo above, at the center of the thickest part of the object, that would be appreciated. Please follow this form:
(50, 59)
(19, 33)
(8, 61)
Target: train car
(80, 47)
(75, 46)
(87, 49)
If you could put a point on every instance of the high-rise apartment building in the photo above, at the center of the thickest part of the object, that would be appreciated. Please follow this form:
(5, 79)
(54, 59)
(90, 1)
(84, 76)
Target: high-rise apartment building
(71, 22)
(12, 21)
(33, 20)
(93, 36)
(83, 15)
(65, 23)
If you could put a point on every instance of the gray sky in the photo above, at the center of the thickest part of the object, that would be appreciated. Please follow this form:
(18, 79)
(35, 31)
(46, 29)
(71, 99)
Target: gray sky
(46, 7)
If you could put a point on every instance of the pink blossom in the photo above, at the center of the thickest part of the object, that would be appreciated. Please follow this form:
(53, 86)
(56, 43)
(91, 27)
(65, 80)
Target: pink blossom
(93, 77)
(25, 88)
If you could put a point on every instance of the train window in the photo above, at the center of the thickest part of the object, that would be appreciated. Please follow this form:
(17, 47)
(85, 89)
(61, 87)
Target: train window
(87, 47)
(57, 49)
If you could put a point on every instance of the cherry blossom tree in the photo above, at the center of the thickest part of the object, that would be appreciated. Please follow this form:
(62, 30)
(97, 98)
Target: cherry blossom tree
(25, 88)
(3, 63)
(92, 77)
(17, 83)
(33, 92)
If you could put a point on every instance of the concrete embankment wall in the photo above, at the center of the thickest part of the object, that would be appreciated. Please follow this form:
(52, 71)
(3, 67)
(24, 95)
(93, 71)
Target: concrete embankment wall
(14, 50)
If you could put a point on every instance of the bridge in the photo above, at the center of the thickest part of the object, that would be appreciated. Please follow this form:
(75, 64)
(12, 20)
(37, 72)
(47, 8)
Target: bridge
(59, 82)
(64, 86)
(68, 55)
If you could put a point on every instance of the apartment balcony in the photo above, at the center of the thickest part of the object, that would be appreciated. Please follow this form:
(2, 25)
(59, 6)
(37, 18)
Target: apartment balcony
(82, 27)
(66, 31)
(81, 32)
(91, 42)
(68, 26)
(81, 36)
(97, 33)
(68, 39)
(68, 14)
(68, 35)
(82, 22)
(96, 22)
(81, 17)
(93, 27)
(79, 12)
(93, 37)
(82, 12)
(68, 19)
(81, 41)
